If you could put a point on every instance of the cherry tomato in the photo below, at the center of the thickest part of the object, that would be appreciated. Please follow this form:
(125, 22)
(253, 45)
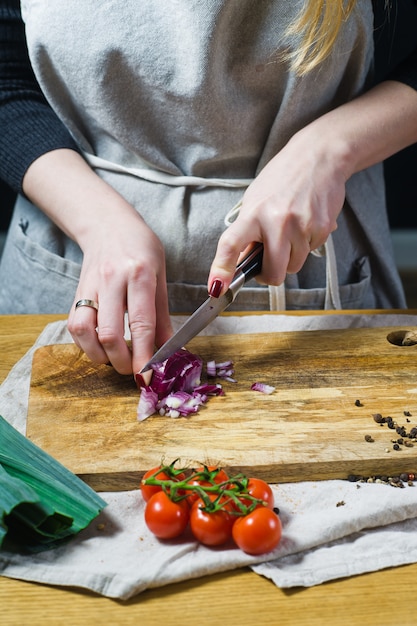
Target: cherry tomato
(211, 529)
(149, 490)
(164, 518)
(260, 490)
(258, 532)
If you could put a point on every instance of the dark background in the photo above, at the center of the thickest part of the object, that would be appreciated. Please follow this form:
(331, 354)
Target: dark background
(395, 37)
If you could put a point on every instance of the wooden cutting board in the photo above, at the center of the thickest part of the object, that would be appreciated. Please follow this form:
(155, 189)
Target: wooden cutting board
(311, 427)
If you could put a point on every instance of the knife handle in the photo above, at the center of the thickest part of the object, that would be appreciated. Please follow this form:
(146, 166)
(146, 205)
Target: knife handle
(249, 267)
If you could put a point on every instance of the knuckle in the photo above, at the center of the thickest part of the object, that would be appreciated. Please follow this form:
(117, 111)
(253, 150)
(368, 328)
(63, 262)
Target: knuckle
(140, 327)
(107, 337)
(78, 328)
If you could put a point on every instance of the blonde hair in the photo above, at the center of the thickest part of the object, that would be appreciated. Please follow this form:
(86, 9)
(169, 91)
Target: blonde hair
(317, 25)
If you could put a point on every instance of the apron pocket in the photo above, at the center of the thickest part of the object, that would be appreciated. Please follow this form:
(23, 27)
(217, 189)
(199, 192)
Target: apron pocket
(34, 279)
(185, 298)
(353, 295)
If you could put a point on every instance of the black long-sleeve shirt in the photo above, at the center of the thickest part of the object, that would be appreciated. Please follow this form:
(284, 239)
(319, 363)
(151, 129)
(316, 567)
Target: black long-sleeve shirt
(28, 125)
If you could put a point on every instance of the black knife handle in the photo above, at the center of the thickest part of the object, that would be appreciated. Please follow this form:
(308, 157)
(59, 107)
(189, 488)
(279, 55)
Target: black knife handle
(247, 269)
(252, 263)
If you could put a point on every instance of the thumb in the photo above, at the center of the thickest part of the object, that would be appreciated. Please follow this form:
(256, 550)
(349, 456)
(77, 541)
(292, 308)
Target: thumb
(223, 268)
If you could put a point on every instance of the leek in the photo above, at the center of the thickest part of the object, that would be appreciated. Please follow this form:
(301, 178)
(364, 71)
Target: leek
(42, 503)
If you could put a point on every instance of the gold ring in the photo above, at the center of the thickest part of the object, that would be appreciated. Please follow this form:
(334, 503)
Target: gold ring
(85, 302)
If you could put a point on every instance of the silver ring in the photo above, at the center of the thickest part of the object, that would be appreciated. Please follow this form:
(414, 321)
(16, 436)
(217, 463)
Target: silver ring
(85, 302)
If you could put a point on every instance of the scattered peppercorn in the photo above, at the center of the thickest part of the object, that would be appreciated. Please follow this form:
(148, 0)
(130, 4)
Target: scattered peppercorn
(369, 439)
(378, 418)
(394, 481)
(396, 446)
(358, 403)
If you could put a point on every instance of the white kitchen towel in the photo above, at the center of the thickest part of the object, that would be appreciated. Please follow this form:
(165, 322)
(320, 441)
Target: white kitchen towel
(331, 529)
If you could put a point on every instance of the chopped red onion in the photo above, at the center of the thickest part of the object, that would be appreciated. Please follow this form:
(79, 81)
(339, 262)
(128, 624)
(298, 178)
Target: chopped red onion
(223, 370)
(262, 387)
(175, 389)
(211, 369)
(147, 403)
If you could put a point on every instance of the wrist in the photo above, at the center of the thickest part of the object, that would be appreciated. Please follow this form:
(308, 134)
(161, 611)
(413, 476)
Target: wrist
(327, 146)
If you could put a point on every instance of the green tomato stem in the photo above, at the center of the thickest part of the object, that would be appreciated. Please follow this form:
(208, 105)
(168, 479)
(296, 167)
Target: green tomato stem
(229, 491)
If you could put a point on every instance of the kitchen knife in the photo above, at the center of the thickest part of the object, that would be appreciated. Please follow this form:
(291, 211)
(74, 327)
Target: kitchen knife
(211, 308)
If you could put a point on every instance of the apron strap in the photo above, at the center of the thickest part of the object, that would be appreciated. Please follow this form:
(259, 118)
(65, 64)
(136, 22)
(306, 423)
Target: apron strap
(157, 176)
(332, 300)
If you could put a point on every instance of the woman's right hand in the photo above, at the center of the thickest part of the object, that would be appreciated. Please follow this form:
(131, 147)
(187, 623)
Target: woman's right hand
(123, 267)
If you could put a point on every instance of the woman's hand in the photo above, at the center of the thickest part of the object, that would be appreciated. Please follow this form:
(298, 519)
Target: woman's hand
(292, 205)
(123, 271)
(123, 267)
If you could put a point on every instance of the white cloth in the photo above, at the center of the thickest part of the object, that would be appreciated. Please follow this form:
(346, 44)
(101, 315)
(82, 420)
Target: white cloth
(116, 555)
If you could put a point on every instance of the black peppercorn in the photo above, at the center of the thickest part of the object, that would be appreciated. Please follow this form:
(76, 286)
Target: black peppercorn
(378, 418)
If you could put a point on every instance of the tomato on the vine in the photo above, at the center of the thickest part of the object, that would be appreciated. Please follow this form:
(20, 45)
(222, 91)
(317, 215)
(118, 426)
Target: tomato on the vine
(211, 528)
(193, 495)
(209, 476)
(165, 518)
(149, 490)
(260, 490)
(218, 473)
(258, 532)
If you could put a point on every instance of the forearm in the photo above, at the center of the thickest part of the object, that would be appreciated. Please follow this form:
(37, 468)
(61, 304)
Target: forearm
(66, 189)
(366, 130)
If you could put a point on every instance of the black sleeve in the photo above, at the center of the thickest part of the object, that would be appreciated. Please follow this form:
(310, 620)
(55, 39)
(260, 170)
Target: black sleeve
(406, 71)
(28, 125)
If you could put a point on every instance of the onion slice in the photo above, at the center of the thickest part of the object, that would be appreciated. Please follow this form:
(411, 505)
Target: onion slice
(224, 370)
(262, 388)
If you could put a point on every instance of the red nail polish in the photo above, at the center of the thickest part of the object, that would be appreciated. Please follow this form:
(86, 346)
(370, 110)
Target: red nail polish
(216, 287)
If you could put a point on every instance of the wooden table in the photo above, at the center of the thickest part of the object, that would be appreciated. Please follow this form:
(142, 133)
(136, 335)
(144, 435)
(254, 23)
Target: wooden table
(233, 598)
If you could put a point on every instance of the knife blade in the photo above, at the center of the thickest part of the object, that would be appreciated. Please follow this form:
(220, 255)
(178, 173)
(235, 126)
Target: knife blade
(249, 267)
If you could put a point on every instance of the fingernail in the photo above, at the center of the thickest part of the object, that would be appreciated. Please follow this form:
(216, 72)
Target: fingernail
(140, 381)
(216, 287)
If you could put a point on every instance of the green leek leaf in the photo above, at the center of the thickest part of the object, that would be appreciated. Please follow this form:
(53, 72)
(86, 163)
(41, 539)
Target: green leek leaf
(41, 502)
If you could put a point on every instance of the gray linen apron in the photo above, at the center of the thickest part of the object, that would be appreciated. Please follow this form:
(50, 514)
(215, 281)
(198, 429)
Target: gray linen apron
(178, 105)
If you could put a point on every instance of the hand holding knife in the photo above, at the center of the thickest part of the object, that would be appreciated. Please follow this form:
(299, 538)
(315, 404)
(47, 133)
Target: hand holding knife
(249, 267)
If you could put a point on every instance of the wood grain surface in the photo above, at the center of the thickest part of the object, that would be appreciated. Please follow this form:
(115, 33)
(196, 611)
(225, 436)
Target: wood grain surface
(328, 385)
(242, 598)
